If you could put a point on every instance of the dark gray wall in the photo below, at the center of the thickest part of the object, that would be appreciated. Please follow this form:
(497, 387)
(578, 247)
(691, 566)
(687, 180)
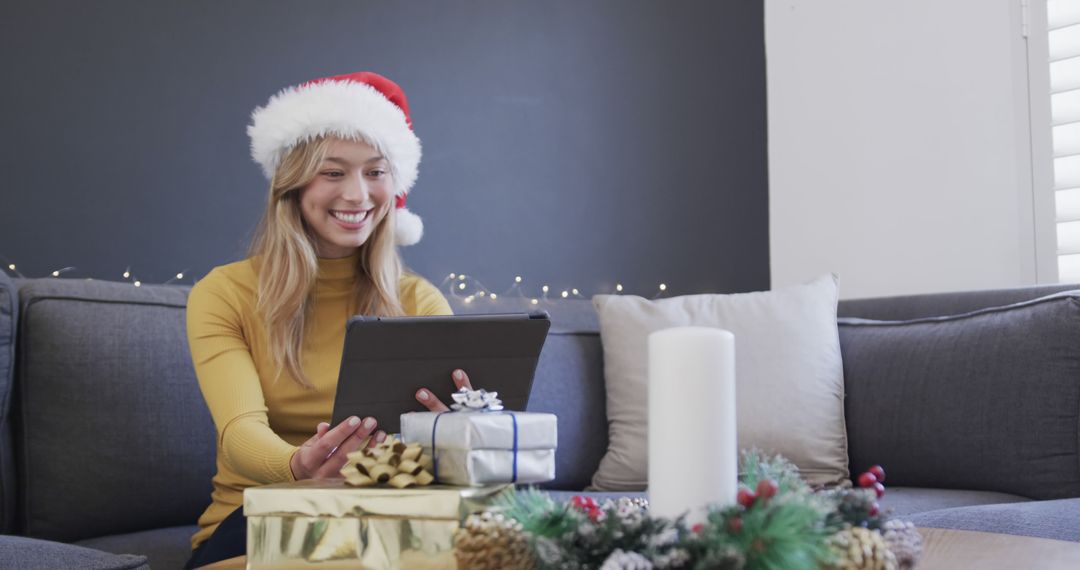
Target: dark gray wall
(566, 141)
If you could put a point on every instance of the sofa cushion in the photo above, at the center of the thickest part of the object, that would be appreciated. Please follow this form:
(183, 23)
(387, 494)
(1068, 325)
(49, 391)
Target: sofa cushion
(788, 375)
(903, 501)
(9, 310)
(1058, 519)
(569, 383)
(116, 436)
(33, 554)
(163, 547)
(987, 400)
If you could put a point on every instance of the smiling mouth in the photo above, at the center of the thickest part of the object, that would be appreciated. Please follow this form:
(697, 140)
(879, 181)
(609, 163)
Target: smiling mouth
(350, 217)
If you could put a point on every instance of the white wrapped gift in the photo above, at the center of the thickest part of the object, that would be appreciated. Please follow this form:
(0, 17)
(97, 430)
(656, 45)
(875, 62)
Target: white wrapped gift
(485, 446)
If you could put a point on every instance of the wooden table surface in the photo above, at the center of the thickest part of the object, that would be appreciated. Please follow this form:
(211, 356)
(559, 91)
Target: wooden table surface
(943, 549)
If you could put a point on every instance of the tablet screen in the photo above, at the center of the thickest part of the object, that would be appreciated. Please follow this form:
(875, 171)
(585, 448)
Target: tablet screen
(387, 359)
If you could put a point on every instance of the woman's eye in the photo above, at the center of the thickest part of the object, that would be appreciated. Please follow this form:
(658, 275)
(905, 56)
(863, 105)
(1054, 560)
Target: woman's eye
(333, 174)
(377, 173)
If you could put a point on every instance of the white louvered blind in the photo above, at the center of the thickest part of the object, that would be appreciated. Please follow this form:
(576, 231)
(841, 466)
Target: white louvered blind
(1063, 19)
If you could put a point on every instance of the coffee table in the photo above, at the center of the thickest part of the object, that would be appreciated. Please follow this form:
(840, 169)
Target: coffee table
(944, 549)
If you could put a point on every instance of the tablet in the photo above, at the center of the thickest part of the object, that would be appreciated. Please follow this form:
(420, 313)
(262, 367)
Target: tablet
(387, 359)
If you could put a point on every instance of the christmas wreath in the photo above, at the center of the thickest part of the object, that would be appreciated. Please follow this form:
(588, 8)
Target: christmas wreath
(778, 522)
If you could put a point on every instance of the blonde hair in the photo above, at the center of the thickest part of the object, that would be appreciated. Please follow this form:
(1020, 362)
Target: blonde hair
(288, 262)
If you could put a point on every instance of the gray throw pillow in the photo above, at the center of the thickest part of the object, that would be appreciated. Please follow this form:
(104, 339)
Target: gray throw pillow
(987, 400)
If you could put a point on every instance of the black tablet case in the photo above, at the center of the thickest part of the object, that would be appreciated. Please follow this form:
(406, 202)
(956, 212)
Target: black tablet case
(387, 359)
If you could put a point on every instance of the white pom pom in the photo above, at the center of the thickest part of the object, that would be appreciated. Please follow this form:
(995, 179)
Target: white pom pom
(409, 228)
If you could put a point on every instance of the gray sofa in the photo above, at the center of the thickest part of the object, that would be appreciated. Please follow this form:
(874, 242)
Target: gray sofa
(107, 448)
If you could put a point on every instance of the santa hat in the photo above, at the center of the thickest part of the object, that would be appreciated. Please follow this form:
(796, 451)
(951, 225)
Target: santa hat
(360, 106)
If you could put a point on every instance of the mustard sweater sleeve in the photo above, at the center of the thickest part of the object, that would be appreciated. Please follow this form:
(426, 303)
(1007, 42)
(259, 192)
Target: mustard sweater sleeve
(230, 384)
(427, 300)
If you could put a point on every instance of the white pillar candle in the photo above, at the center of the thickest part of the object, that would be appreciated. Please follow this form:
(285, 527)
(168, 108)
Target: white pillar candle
(693, 454)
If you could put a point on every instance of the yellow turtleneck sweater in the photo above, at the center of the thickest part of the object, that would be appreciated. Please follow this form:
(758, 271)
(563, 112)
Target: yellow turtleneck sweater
(260, 421)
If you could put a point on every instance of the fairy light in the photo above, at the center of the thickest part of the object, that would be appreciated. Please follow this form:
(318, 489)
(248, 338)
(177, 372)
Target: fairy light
(127, 273)
(138, 283)
(56, 274)
(60, 271)
(11, 266)
(469, 289)
(180, 275)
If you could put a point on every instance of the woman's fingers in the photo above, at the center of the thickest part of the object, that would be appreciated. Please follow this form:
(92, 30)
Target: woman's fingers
(429, 401)
(332, 467)
(333, 439)
(461, 379)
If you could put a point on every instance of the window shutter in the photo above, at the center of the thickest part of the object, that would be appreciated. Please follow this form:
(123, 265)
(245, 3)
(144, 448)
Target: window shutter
(1063, 19)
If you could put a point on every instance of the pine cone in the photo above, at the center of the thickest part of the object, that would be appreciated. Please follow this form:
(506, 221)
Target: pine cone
(490, 541)
(861, 549)
(905, 543)
(620, 560)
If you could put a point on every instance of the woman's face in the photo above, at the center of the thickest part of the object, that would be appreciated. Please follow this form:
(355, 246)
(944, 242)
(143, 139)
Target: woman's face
(351, 194)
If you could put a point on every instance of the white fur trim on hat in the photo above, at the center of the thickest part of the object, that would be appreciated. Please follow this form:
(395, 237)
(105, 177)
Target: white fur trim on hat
(408, 227)
(346, 109)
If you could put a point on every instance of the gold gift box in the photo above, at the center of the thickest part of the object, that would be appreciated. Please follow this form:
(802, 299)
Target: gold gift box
(328, 524)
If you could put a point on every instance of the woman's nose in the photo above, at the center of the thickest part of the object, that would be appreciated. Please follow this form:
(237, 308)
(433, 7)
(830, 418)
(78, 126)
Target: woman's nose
(356, 189)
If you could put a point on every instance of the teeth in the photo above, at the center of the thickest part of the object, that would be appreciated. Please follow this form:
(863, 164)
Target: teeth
(350, 218)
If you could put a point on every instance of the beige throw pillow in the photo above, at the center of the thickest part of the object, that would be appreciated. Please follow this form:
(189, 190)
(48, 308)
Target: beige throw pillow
(788, 376)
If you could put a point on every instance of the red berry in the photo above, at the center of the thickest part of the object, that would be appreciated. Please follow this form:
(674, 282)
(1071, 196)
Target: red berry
(874, 509)
(867, 480)
(878, 472)
(583, 503)
(767, 488)
(879, 489)
(697, 528)
(746, 497)
(594, 513)
(735, 525)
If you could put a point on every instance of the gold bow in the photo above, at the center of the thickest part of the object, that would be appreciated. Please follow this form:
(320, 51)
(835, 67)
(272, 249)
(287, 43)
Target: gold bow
(390, 462)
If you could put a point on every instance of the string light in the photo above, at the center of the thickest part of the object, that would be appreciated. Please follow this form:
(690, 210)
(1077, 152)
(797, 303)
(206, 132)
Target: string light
(618, 287)
(544, 289)
(575, 292)
(663, 287)
(60, 271)
(452, 275)
(494, 296)
(565, 294)
(516, 279)
(535, 301)
(462, 286)
(127, 273)
(11, 266)
(138, 283)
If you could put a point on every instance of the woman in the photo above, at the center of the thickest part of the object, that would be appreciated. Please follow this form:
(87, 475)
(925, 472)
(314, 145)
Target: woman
(266, 333)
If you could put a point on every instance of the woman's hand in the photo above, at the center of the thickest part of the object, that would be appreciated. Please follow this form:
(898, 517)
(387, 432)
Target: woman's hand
(432, 403)
(323, 456)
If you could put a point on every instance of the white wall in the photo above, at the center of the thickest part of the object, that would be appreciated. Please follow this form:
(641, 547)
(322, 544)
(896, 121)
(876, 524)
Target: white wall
(899, 153)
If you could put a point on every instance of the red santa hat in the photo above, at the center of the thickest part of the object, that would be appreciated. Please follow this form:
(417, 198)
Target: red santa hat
(359, 106)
